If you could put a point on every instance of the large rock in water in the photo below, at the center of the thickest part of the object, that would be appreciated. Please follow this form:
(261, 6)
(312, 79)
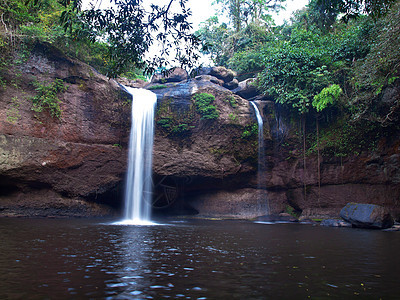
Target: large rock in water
(367, 216)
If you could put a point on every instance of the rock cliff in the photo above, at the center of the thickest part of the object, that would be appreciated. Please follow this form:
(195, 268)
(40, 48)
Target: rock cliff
(75, 165)
(63, 166)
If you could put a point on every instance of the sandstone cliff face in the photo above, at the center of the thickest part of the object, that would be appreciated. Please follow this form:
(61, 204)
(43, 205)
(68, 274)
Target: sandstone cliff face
(75, 165)
(74, 160)
(210, 148)
(222, 165)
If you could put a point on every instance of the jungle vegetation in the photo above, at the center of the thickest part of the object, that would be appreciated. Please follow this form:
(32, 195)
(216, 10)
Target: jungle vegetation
(333, 66)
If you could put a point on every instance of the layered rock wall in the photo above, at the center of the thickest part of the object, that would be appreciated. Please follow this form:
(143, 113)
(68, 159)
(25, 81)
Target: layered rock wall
(75, 165)
(75, 159)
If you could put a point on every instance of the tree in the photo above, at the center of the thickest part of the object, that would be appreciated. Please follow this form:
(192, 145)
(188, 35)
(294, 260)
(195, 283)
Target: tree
(353, 8)
(215, 38)
(130, 29)
(242, 11)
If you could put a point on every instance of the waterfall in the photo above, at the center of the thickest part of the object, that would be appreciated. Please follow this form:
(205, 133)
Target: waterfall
(261, 154)
(138, 180)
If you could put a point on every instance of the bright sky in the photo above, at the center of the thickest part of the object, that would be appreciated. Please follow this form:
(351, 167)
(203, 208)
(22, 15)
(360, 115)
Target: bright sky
(203, 9)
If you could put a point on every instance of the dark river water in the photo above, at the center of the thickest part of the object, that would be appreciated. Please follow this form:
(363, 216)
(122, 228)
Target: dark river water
(193, 259)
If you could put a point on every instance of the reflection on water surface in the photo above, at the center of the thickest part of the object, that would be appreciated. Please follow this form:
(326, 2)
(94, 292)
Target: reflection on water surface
(194, 260)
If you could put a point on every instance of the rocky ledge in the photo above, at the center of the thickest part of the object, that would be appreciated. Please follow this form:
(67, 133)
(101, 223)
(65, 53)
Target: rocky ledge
(205, 156)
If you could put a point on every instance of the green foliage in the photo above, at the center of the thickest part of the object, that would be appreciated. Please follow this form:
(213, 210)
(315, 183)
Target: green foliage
(250, 132)
(351, 44)
(114, 41)
(231, 100)
(181, 128)
(165, 122)
(157, 87)
(2, 83)
(203, 103)
(175, 123)
(353, 8)
(348, 138)
(295, 72)
(233, 118)
(13, 114)
(378, 70)
(47, 97)
(237, 50)
(328, 95)
(240, 12)
(291, 211)
(130, 29)
(216, 40)
(174, 127)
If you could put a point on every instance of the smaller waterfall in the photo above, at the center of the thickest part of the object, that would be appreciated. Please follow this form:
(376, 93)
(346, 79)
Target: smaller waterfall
(138, 180)
(261, 185)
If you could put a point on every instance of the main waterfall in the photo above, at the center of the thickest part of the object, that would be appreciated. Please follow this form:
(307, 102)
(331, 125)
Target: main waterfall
(261, 154)
(138, 180)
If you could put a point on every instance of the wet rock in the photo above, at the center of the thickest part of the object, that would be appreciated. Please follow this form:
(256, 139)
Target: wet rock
(247, 89)
(222, 73)
(282, 217)
(175, 75)
(135, 83)
(208, 148)
(236, 204)
(367, 216)
(393, 228)
(231, 85)
(210, 79)
(335, 223)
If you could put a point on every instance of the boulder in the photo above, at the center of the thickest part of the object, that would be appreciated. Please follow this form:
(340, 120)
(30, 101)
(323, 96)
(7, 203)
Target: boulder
(246, 89)
(206, 148)
(174, 75)
(135, 83)
(227, 75)
(210, 78)
(367, 216)
(231, 85)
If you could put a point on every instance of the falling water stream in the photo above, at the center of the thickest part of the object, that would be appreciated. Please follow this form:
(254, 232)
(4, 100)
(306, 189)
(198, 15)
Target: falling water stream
(138, 180)
(261, 154)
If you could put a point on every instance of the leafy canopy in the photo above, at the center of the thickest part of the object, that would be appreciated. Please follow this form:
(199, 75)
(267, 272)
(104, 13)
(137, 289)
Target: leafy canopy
(130, 29)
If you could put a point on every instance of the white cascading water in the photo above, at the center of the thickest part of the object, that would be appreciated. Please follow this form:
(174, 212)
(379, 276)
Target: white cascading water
(138, 180)
(261, 153)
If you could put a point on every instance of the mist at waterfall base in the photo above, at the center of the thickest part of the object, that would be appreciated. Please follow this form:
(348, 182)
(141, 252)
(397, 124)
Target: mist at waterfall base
(138, 191)
(194, 259)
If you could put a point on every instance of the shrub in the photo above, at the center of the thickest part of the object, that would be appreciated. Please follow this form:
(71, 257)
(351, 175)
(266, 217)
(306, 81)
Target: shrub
(204, 107)
(46, 98)
(157, 87)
